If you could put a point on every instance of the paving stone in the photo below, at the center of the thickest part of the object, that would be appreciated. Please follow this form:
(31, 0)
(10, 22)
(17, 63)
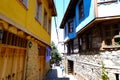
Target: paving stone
(56, 74)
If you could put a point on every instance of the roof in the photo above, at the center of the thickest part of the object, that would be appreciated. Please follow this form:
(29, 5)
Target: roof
(70, 12)
(52, 7)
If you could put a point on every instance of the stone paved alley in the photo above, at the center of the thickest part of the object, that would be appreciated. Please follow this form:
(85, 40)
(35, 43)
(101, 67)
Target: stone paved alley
(56, 74)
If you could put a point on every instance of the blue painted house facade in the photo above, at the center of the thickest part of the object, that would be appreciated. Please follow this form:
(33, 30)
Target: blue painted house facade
(92, 38)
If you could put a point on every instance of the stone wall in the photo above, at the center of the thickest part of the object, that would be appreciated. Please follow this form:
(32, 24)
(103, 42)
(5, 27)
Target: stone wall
(32, 66)
(89, 66)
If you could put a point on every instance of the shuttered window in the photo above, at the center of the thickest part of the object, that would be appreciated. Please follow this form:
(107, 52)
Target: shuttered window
(70, 26)
(81, 10)
(45, 19)
(49, 27)
(39, 11)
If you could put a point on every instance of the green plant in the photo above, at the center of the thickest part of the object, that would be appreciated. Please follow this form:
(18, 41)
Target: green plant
(104, 73)
(116, 43)
(55, 55)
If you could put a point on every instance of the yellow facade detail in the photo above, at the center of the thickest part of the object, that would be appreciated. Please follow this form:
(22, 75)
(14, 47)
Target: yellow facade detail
(25, 17)
(24, 41)
(4, 25)
(12, 29)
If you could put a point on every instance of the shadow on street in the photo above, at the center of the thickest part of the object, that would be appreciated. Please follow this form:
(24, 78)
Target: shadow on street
(52, 75)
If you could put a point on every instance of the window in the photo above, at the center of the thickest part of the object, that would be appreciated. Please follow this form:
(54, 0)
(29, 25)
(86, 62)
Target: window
(70, 47)
(45, 19)
(80, 44)
(13, 40)
(39, 11)
(76, 45)
(112, 32)
(65, 31)
(49, 27)
(89, 41)
(81, 9)
(24, 2)
(70, 26)
(103, 1)
(83, 42)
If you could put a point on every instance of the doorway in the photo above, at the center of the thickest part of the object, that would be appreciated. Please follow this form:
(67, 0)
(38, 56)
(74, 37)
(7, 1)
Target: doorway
(70, 67)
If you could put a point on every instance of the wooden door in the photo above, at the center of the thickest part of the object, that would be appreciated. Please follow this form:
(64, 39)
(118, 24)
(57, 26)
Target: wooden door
(42, 51)
(3, 60)
(12, 61)
(42, 67)
(40, 60)
(14, 67)
(6, 70)
(22, 63)
(8, 63)
(20, 60)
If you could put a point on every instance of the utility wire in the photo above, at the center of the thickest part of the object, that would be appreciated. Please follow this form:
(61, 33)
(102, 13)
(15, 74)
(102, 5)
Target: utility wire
(56, 29)
(57, 17)
(56, 24)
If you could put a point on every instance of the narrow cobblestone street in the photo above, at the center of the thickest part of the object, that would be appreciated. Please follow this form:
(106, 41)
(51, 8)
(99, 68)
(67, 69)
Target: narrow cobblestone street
(56, 74)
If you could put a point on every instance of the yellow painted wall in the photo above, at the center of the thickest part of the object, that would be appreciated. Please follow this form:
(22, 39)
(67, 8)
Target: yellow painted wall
(15, 11)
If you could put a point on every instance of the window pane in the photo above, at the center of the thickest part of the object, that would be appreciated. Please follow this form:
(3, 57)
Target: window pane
(108, 42)
(39, 11)
(70, 26)
(116, 26)
(117, 41)
(107, 28)
(45, 19)
(49, 27)
(25, 2)
(108, 34)
(81, 13)
(116, 32)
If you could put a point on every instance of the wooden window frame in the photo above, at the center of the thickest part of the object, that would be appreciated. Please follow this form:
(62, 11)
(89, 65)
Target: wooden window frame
(49, 27)
(89, 41)
(70, 47)
(45, 19)
(80, 44)
(111, 31)
(5, 37)
(39, 10)
(86, 42)
(76, 45)
(13, 40)
(9, 41)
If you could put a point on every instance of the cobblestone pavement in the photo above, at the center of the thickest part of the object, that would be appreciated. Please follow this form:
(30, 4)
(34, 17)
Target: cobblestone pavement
(56, 74)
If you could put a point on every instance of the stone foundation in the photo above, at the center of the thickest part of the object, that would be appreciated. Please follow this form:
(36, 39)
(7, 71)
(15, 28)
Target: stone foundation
(89, 66)
(32, 72)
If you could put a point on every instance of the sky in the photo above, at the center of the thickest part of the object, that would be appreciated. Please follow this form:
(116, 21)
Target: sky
(61, 6)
